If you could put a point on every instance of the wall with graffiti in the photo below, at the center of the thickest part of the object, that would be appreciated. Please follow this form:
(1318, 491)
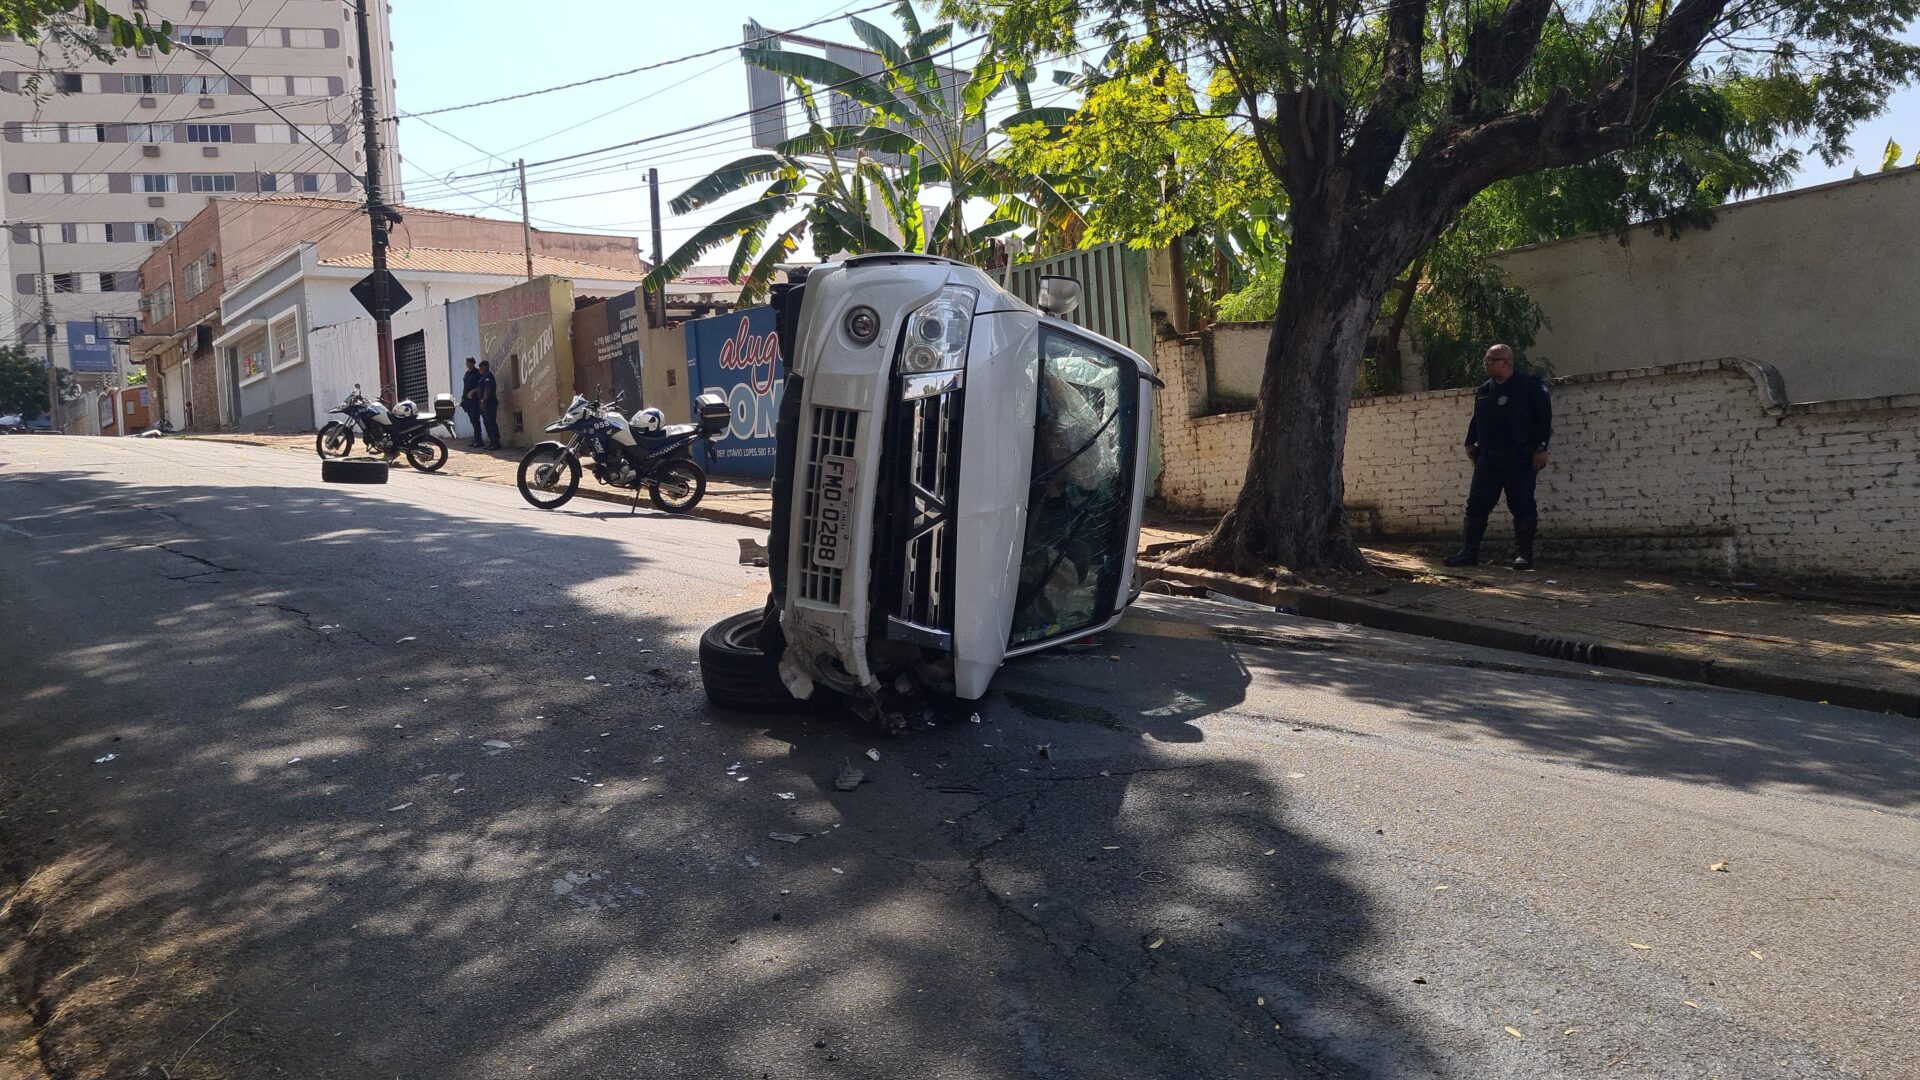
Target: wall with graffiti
(737, 356)
(526, 333)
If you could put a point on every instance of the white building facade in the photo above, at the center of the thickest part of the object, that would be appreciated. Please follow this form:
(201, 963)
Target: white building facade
(108, 159)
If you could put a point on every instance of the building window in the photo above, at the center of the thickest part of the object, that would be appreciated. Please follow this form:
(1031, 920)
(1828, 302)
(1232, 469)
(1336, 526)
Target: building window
(43, 183)
(148, 232)
(286, 341)
(144, 84)
(154, 183)
(67, 83)
(211, 182)
(87, 133)
(40, 132)
(306, 39)
(109, 282)
(209, 132)
(89, 183)
(67, 283)
(198, 275)
(149, 133)
(308, 182)
(269, 182)
(250, 355)
(309, 86)
(201, 35)
(208, 85)
(272, 133)
(83, 233)
(157, 306)
(317, 133)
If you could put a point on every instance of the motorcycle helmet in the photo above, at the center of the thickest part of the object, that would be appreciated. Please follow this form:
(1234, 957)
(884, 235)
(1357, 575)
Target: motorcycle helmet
(650, 421)
(406, 410)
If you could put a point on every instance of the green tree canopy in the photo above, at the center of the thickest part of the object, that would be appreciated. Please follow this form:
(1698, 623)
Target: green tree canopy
(1383, 121)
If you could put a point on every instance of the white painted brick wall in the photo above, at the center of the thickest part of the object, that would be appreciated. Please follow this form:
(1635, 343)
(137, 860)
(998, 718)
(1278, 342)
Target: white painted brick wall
(1703, 450)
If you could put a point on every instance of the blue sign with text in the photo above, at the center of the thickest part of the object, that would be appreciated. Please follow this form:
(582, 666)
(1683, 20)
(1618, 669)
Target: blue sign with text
(737, 356)
(87, 348)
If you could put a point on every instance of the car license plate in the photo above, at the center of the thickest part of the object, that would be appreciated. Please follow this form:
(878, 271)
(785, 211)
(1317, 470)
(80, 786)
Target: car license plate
(831, 533)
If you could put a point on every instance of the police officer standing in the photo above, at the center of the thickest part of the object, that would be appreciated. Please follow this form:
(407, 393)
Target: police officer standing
(470, 401)
(488, 394)
(1507, 442)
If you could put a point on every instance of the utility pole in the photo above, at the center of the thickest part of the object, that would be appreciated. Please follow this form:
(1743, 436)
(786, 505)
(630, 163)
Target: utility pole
(659, 294)
(526, 223)
(378, 213)
(46, 334)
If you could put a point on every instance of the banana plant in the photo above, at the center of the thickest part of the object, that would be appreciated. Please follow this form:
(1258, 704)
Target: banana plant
(919, 131)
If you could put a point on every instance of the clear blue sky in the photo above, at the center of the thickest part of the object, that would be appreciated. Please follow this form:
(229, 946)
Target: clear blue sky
(451, 54)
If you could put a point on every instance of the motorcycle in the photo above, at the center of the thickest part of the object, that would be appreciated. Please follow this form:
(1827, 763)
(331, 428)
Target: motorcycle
(622, 456)
(388, 432)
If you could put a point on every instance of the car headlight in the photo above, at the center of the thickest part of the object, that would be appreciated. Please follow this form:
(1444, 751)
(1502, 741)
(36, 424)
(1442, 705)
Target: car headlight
(937, 333)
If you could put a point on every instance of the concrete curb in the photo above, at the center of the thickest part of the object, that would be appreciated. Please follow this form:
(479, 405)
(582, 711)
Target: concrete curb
(1333, 607)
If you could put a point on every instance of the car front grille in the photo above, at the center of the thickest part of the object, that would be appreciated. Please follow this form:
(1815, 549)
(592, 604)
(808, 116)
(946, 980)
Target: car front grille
(918, 540)
(833, 434)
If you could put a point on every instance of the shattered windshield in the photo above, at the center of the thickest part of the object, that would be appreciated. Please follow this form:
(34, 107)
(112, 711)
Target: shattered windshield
(1080, 505)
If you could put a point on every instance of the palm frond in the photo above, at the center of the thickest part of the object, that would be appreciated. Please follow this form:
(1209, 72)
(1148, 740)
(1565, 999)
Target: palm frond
(753, 217)
(823, 72)
(728, 179)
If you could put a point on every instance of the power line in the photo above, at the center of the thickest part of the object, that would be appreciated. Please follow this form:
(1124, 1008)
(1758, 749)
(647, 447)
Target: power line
(634, 71)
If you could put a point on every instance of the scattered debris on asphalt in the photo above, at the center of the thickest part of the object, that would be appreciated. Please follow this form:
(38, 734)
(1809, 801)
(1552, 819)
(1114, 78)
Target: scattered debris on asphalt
(874, 754)
(788, 837)
(1720, 867)
(404, 640)
(402, 806)
(104, 760)
(785, 795)
(848, 778)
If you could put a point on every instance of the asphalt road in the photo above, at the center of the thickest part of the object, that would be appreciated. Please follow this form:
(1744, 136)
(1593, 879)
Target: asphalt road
(416, 781)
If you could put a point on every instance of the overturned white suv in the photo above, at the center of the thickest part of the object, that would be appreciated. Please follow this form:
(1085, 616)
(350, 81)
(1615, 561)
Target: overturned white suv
(958, 481)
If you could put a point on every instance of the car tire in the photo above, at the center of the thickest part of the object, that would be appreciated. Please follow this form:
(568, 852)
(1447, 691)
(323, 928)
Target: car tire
(353, 471)
(737, 674)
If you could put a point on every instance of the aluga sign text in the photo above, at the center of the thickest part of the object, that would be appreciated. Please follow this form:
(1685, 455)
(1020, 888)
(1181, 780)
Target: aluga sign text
(958, 480)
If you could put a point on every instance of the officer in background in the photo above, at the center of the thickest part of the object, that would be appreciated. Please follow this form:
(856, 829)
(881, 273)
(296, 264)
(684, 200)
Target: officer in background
(470, 401)
(489, 396)
(1507, 442)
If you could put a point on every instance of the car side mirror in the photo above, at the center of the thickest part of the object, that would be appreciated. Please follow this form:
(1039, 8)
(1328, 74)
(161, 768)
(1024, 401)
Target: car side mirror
(1059, 296)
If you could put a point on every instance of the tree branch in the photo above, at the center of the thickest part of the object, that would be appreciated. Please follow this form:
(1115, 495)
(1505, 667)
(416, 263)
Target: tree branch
(1497, 54)
(1377, 140)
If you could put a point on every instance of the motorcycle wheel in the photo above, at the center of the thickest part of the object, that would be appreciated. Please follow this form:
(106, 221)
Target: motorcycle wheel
(677, 487)
(427, 453)
(334, 441)
(548, 476)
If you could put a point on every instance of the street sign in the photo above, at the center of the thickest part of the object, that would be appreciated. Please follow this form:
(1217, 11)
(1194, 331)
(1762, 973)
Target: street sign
(397, 295)
(87, 349)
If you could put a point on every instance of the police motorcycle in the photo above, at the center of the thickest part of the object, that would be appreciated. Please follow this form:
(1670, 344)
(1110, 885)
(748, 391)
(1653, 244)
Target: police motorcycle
(388, 432)
(642, 452)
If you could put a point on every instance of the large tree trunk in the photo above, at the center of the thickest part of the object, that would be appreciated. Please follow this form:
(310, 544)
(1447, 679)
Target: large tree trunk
(1288, 512)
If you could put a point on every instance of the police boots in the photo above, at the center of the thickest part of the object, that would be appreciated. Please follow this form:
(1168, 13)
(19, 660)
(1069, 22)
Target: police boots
(1523, 533)
(1469, 553)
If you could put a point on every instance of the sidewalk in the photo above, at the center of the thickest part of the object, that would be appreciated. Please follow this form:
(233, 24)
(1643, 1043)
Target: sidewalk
(1766, 639)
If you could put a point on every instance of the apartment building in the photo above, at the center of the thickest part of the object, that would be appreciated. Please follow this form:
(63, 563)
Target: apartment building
(110, 159)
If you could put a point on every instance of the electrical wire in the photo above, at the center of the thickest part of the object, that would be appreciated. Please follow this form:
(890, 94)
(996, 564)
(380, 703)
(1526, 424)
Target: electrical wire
(770, 35)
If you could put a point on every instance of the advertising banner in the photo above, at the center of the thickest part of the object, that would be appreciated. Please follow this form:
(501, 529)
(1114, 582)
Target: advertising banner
(87, 348)
(737, 356)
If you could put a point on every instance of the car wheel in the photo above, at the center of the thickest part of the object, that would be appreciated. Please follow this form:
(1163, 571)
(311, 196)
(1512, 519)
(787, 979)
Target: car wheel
(353, 471)
(737, 674)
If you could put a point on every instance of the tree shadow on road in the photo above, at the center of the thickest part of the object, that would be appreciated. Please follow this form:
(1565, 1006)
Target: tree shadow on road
(362, 795)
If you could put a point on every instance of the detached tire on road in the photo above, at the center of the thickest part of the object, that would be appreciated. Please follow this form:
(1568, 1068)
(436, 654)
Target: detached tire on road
(353, 471)
(737, 675)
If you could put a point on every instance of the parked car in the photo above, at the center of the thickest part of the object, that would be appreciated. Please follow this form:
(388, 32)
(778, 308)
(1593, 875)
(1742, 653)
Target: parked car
(958, 481)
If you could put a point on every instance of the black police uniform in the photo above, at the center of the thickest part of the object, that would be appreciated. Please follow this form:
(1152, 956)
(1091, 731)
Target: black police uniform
(489, 408)
(1512, 421)
(470, 403)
